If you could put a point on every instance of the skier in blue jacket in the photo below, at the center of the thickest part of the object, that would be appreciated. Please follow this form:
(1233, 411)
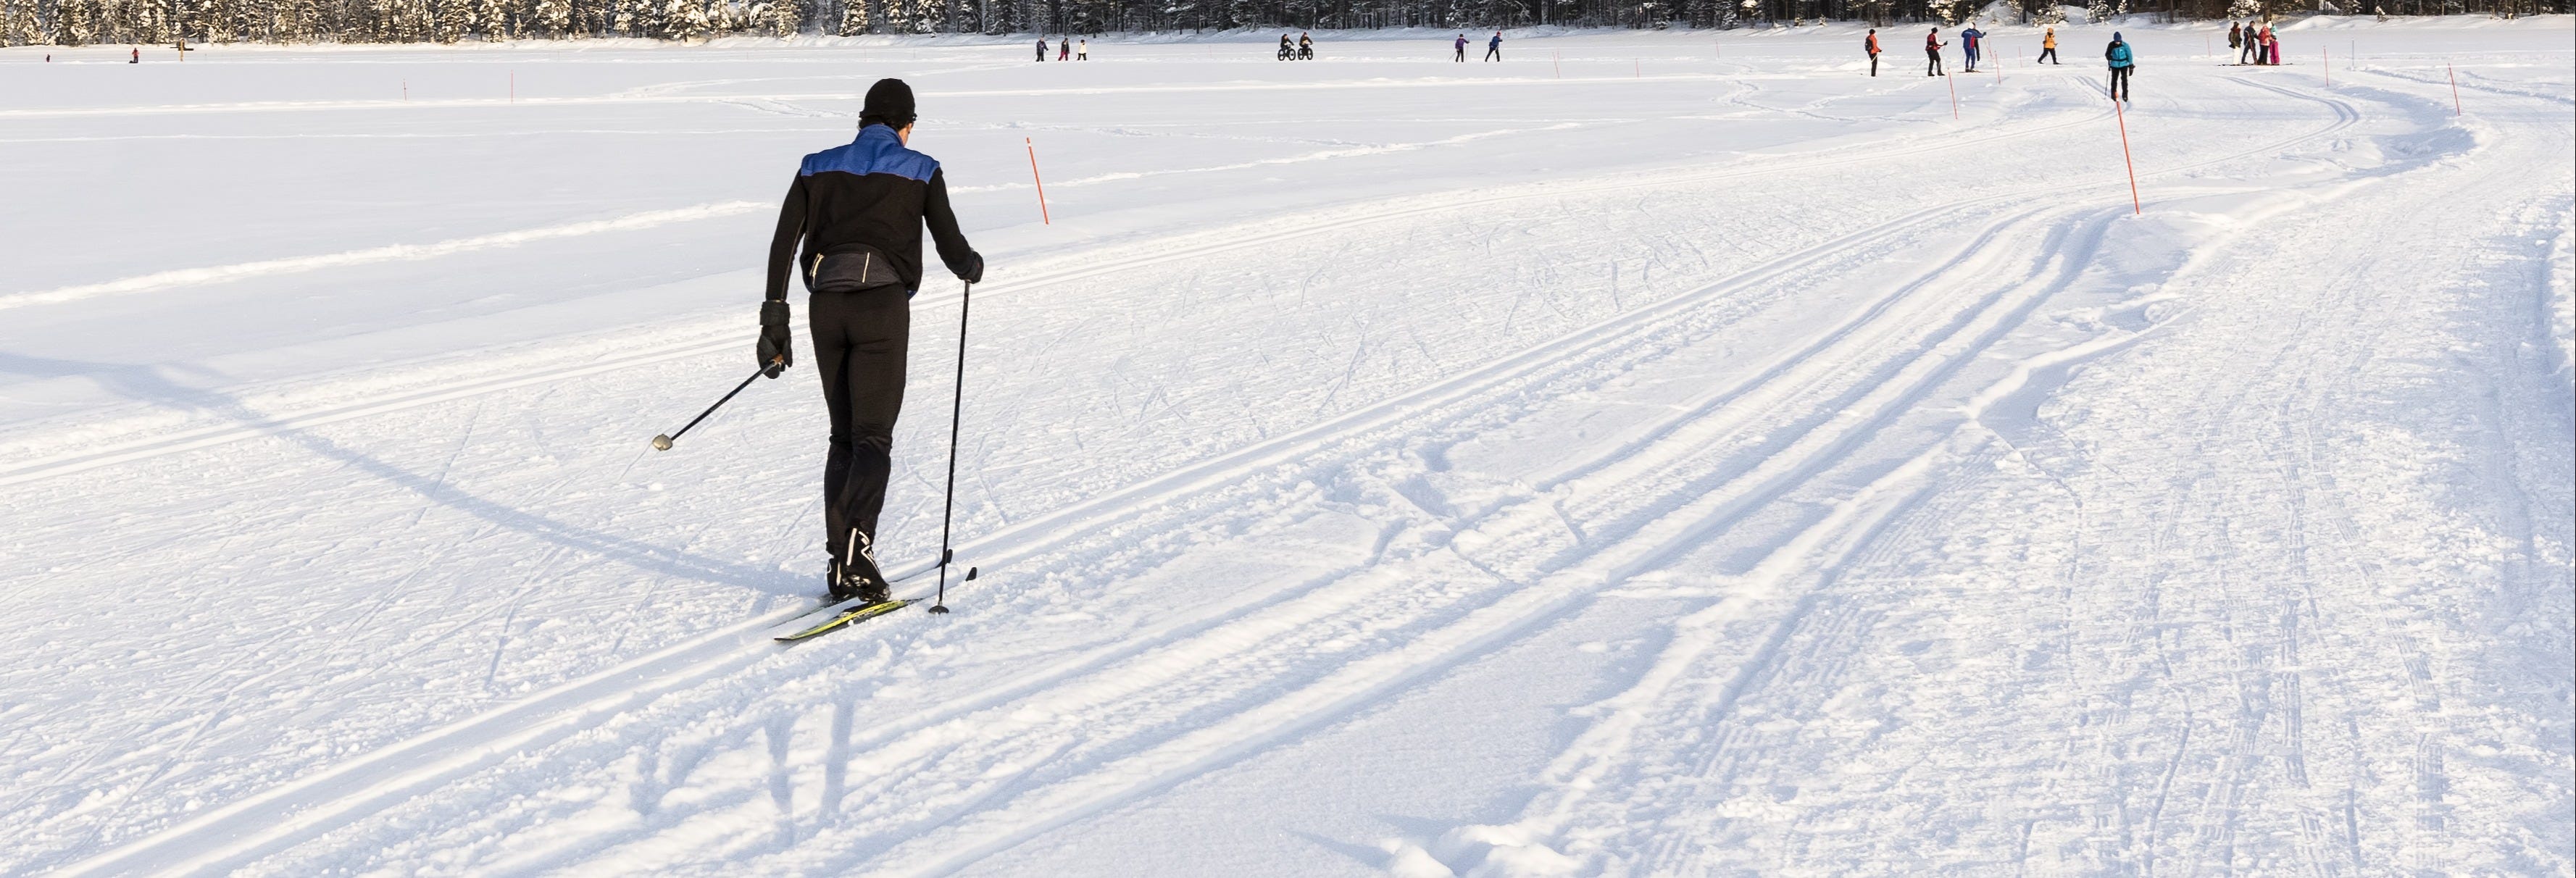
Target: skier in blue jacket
(857, 211)
(1970, 39)
(2122, 62)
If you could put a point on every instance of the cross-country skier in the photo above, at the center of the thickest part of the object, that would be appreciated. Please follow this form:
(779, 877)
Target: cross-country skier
(2048, 47)
(2253, 47)
(2236, 39)
(2121, 63)
(1462, 49)
(858, 211)
(1968, 40)
(1064, 50)
(1042, 47)
(1082, 51)
(1494, 48)
(1872, 45)
(1932, 46)
(137, 59)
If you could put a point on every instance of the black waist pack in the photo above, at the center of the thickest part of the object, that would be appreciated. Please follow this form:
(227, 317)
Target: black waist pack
(850, 270)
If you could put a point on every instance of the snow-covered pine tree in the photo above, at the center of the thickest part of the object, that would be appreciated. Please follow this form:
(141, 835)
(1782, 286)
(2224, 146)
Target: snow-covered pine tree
(19, 23)
(491, 20)
(550, 19)
(141, 21)
(779, 18)
(2244, 9)
(449, 20)
(2098, 12)
(682, 20)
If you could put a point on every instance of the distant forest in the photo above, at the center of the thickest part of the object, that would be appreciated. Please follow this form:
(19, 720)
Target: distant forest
(164, 22)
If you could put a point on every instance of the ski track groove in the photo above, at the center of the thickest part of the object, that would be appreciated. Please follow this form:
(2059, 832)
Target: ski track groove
(1599, 337)
(2229, 792)
(716, 655)
(1517, 610)
(1176, 248)
(1751, 670)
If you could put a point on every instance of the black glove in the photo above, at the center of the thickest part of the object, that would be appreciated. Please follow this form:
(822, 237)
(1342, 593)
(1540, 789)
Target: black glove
(775, 352)
(974, 273)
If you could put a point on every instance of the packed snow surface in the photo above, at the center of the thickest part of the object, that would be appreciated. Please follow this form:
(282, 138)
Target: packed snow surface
(1653, 454)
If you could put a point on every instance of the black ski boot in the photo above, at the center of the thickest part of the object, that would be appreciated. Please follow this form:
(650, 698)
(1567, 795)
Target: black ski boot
(858, 577)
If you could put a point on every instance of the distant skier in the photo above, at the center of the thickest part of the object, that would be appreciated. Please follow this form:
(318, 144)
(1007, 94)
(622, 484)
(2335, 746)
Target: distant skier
(137, 58)
(1932, 46)
(1462, 48)
(1968, 40)
(2236, 39)
(1305, 47)
(2048, 47)
(2253, 50)
(2122, 62)
(1872, 45)
(1494, 48)
(1042, 47)
(2271, 46)
(1082, 51)
(858, 211)
(1064, 50)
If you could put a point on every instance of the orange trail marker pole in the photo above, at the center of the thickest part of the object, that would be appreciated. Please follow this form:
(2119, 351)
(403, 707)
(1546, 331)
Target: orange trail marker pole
(1954, 97)
(1557, 59)
(2135, 206)
(2328, 56)
(1043, 218)
(2455, 90)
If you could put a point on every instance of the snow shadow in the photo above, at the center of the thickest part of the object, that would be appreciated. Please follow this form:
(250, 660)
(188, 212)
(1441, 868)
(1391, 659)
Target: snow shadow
(148, 384)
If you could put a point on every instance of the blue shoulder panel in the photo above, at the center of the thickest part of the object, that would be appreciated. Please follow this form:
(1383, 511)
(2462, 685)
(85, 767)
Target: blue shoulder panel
(876, 151)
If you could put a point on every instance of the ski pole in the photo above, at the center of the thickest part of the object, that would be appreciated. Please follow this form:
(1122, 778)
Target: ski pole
(663, 442)
(956, 412)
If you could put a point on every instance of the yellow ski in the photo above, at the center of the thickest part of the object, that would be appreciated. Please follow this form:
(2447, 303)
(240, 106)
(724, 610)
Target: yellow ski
(846, 618)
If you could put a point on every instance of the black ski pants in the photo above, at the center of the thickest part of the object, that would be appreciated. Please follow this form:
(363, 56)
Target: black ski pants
(1932, 67)
(859, 348)
(2047, 56)
(1493, 53)
(1873, 63)
(2120, 82)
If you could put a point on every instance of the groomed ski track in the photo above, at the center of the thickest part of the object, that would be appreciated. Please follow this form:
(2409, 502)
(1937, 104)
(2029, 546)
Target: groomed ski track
(1740, 473)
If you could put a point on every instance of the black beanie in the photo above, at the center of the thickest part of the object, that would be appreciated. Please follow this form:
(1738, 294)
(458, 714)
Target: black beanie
(889, 104)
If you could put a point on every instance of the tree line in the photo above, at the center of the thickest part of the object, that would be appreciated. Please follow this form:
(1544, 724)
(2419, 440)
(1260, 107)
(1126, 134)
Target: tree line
(163, 22)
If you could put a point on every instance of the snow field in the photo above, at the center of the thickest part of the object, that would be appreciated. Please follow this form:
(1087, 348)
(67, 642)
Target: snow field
(1376, 469)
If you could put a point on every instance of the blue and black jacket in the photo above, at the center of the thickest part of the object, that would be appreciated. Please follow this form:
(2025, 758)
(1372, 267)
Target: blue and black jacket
(870, 195)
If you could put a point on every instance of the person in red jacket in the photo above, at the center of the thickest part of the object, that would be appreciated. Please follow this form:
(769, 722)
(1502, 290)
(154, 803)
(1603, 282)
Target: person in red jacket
(1873, 51)
(1932, 46)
